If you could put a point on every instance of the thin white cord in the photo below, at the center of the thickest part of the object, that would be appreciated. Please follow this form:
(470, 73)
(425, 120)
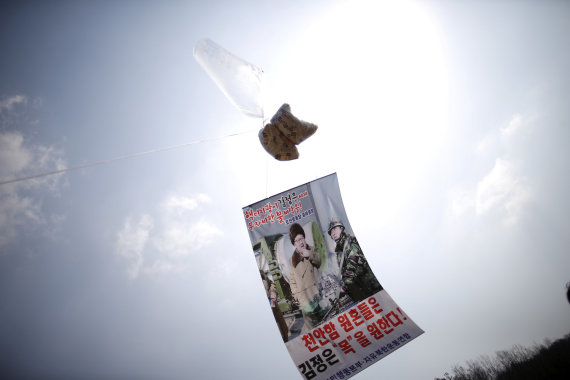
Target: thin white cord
(266, 165)
(65, 170)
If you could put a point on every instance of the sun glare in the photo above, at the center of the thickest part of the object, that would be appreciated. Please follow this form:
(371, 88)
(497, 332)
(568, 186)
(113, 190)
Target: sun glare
(378, 68)
(372, 75)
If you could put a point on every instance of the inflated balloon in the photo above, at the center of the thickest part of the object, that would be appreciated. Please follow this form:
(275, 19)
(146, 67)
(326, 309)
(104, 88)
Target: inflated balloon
(239, 80)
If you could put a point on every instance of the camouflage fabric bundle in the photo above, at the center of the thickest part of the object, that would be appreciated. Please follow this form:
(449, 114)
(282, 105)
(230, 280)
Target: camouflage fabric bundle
(280, 136)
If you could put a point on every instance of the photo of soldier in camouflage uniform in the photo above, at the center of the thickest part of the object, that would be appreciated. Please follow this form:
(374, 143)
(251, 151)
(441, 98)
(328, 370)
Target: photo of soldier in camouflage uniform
(271, 291)
(358, 281)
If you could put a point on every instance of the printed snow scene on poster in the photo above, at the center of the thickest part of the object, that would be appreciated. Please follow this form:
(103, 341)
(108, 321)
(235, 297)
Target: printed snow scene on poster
(332, 312)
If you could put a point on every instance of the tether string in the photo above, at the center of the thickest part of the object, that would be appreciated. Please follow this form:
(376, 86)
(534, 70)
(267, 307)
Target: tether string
(65, 170)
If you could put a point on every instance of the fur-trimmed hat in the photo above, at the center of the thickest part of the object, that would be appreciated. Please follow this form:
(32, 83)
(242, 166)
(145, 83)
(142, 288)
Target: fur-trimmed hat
(295, 230)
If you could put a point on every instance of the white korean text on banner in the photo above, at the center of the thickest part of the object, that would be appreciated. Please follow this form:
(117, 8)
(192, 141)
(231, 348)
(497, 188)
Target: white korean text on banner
(332, 312)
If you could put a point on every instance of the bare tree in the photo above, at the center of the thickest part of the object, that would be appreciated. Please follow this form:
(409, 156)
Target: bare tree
(546, 361)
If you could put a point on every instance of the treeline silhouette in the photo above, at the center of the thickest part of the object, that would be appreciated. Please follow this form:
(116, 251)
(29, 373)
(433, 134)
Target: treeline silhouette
(542, 361)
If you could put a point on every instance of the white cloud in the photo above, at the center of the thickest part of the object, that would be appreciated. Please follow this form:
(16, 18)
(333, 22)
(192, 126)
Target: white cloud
(177, 232)
(461, 201)
(19, 158)
(514, 125)
(14, 157)
(502, 193)
(181, 238)
(131, 242)
(182, 232)
(9, 103)
(17, 211)
(21, 203)
(494, 187)
(159, 267)
(180, 204)
(487, 145)
(502, 190)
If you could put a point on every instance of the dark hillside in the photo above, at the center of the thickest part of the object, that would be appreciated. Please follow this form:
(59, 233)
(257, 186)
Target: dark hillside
(547, 361)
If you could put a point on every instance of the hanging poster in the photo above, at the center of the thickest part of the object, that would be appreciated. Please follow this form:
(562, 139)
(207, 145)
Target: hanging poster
(331, 310)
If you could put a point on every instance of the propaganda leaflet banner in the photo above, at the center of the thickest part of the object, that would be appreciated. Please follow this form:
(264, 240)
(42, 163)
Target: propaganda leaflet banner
(332, 312)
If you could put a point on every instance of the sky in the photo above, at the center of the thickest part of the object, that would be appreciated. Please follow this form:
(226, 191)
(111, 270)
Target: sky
(447, 124)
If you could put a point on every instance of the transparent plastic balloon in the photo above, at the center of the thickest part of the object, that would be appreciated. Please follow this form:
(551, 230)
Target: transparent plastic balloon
(239, 80)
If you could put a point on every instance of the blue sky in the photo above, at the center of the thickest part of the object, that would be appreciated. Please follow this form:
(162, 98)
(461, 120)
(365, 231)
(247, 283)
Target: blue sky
(446, 122)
